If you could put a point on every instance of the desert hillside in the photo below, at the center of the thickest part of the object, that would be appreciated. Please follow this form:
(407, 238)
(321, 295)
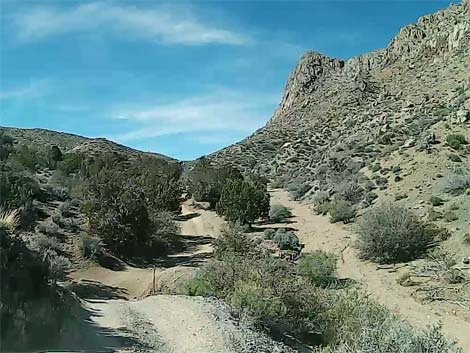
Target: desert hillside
(342, 226)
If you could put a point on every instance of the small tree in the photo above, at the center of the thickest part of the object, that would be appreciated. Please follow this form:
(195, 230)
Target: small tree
(243, 202)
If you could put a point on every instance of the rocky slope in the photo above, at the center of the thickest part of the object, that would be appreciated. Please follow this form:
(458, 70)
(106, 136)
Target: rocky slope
(376, 125)
(379, 99)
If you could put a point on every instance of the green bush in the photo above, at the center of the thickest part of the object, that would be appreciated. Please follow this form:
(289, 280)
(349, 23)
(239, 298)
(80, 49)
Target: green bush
(455, 141)
(436, 201)
(279, 213)
(243, 202)
(341, 210)
(349, 191)
(206, 183)
(323, 208)
(59, 266)
(319, 267)
(457, 183)
(29, 157)
(390, 233)
(356, 324)
(70, 162)
(250, 299)
(17, 189)
(297, 189)
(232, 241)
(43, 243)
(286, 239)
(90, 247)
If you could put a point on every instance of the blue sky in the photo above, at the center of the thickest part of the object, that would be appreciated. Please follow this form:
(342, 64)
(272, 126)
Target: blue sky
(179, 78)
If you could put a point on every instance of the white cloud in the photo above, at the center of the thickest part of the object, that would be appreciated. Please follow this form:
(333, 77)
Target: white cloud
(32, 89)
(163, 24)
(219, 114)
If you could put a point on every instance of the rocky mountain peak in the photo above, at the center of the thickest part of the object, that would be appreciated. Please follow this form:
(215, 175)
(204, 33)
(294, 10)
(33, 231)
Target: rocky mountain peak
(307, 77)
(434, 37)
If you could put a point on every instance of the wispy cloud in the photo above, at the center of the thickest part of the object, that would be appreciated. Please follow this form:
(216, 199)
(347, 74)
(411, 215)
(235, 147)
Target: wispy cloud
(32, 89)
(169, 25)
(217, 114)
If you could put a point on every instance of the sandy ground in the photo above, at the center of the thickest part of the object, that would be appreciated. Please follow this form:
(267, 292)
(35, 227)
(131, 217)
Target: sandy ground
(316, 232)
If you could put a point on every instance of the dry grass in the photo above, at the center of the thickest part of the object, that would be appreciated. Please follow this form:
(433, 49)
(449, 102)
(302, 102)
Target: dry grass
(9, 219)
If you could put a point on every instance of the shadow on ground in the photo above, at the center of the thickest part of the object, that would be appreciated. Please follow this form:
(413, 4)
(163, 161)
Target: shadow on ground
(87, 289)
(81, 333)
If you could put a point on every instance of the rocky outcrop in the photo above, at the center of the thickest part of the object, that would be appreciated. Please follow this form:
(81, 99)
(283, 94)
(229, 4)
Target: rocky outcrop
(433, 37)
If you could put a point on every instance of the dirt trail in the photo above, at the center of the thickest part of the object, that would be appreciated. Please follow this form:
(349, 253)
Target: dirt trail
(316, 232)
(198, 228)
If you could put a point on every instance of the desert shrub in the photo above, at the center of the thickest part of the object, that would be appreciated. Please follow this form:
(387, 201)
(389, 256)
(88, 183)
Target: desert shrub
(59, 266)
(232, 241)
(279, 213)
(65, 210)
(319, 267)
(48, 229)
(321, 202)
(17, 189)
(6, 146)
(466, 239)
(348, 313)
(323, 208)
(450, 215)
(350, 191)
(120, 212)
(29, 157)
(341, 210)
(31, 308)
(390, 233)
(269, 233)
(43, 243)
(243, 202)
(60, 193)
(297, 189)
(455, 141)
(9, 219)
(90, 247)
(457, 183)
(455, 158)
(286, 239)
(263, 290)
(164, 231)
(436, 201)
(70, 162)
(250, 299)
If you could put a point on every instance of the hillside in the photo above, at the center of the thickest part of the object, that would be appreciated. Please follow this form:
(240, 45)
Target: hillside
(73, 143)
(341, 226)
(379, 126)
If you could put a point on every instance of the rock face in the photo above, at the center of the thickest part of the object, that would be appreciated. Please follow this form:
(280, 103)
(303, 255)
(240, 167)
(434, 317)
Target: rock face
(336, 117)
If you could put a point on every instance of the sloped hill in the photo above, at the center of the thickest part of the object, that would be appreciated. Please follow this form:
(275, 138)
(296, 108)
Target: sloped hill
(68, 142)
